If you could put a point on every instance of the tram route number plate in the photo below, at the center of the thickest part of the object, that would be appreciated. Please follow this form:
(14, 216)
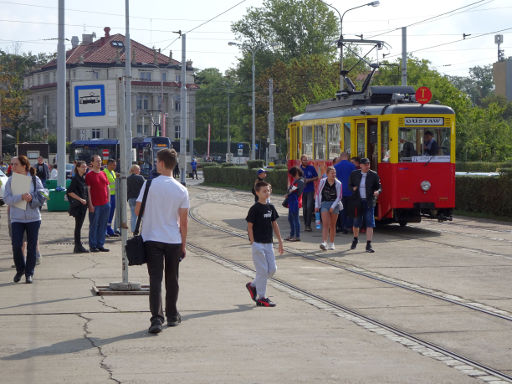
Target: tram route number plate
(423, 95)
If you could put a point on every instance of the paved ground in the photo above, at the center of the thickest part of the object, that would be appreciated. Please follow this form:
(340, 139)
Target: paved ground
(56, 331)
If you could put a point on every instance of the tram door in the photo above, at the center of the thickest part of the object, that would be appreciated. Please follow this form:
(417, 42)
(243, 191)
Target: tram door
(372, 151)
(360, 135)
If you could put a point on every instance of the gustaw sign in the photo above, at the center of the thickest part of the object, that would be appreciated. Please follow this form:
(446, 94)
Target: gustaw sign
(424, 121)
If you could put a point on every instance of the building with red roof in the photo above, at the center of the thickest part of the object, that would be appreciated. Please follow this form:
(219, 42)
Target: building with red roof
(98, 65)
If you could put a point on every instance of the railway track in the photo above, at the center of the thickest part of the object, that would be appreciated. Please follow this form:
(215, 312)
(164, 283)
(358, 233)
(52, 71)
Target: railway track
(462, 363)
(313, 256)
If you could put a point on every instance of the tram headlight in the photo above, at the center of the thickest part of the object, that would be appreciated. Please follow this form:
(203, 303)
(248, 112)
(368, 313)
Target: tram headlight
(425, 185)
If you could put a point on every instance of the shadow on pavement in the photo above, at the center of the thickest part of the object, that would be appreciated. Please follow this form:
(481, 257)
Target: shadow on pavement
(240, 308)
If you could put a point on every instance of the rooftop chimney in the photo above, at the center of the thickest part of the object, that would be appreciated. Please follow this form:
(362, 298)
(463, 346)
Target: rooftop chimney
(74, 41)
(107, 31)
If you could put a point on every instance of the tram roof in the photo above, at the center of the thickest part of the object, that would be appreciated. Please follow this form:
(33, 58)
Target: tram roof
(373, 110)
(95, 142)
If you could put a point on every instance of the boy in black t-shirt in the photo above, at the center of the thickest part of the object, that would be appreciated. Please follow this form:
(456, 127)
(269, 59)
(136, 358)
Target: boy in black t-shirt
(261, 222)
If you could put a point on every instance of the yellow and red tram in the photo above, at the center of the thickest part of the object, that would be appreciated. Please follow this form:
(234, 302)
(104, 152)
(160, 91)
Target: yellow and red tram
(388, 126)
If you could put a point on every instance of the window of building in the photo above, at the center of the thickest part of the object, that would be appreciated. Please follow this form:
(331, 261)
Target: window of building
(96, 133)
(164, 76)
(138, 100)
(178, 78)
(139, 129)
(177, 132)
(95, 75)
(145, 102)
(145, 75)
(159, 102)
(177, 105)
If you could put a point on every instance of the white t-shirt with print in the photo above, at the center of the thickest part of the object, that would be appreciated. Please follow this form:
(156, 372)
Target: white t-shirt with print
(160, 221)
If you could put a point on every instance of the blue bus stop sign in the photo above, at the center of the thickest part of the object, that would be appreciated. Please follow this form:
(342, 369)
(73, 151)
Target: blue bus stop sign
(255, 146)
(240, 146)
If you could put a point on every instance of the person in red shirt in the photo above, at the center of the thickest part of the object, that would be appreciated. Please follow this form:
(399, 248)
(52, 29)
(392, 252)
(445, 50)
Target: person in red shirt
(99, 205)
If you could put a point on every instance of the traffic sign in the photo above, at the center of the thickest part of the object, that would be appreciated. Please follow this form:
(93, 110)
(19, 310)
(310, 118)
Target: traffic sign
(240, 146)
(105, 153)
(423, 95)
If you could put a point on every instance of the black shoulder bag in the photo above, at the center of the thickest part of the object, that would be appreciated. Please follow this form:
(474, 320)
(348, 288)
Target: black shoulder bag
(135, 246)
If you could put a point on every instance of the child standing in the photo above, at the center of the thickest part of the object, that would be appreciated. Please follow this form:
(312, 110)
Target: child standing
(261, 222)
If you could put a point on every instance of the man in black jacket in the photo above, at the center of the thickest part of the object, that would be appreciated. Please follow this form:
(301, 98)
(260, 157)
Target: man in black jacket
(42, 170)
(366, 185)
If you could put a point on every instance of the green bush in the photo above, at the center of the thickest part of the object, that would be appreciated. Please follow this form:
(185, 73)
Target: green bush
(488, 195)
(225, 165)
(480, 166)
(281, 166)
(243, 178)
(209, 164)
(255, 164)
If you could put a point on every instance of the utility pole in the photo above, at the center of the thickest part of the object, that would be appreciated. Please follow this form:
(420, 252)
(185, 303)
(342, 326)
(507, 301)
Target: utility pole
(272, 148)
(228, 157)
(253, 143)
(61, 100)
(404, 55)
(183, 105)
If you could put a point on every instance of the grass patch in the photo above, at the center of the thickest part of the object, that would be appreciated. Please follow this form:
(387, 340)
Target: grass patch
(481, 215)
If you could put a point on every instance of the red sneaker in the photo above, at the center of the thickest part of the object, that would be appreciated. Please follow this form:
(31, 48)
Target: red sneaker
(252, 291)
(265, 302)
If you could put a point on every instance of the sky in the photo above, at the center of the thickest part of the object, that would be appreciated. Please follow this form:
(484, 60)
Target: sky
(30, 25)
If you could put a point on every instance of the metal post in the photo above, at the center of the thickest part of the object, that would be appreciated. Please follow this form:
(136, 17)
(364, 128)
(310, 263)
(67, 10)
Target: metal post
(61, 100)
(125, 144)
(272, 146)
(404, 55)
(228, 138)
(1, 143)
(183, 105)
(253, 145)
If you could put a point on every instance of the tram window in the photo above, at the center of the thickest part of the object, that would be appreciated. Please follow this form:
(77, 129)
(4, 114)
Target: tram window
(346, 137)
(333, 137)
(360, 139)
(320, 142)
(413, 145)
(307, 141)
(384, 142)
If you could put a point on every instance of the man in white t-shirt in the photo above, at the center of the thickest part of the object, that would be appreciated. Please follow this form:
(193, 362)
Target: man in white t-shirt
(164, 232)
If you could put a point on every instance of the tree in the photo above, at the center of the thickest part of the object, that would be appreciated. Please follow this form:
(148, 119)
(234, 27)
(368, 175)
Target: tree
(478, 85)
(289, 29)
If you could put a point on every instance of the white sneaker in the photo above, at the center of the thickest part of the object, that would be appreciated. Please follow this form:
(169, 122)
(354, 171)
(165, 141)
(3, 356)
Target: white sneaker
(331, 246)
(323, 246)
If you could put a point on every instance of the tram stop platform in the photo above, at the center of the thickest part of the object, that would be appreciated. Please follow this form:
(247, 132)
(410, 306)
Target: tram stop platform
(56, 331)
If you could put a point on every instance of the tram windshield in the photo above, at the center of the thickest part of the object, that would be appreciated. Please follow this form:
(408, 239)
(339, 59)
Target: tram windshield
(422, 144)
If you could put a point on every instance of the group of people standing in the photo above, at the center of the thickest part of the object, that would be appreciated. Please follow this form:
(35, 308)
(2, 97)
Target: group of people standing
(344, 197)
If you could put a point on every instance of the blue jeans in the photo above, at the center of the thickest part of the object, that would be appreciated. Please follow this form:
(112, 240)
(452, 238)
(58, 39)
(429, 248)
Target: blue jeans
(18, 229)
(110, 231)
(98, 225)
(293, 219)
(133, 218)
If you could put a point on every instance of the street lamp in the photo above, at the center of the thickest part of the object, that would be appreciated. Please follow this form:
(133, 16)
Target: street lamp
(253, 143)
(343, 73)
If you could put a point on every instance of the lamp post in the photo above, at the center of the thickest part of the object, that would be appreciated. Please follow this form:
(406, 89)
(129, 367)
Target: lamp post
(253, 142)
(343, 73)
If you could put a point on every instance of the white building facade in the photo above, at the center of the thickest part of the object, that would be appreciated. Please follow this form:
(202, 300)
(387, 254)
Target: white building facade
(94, 71)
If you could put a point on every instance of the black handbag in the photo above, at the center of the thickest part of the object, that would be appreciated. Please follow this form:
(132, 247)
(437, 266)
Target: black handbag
(285, 202)
(135, 252)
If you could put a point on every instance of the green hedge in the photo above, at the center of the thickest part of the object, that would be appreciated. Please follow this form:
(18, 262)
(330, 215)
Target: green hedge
(481, 166)
(243, 178)
(255, 164)
(488, 195)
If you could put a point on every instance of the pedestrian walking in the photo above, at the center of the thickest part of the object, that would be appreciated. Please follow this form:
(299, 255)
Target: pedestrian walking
(327, 202)
(25, 217)
(164, 232)
(42, 170)
(261, 174)
(77, 197)
(308, 195)
(261, 223)
(344, 168)
(110, 172)
(294, 196)
(365, 184)
(54, 174)
(134, 184)
(99, 205)
(193, 163)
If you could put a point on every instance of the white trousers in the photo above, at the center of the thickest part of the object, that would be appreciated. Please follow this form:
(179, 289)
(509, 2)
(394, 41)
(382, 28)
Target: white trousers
(265, 265)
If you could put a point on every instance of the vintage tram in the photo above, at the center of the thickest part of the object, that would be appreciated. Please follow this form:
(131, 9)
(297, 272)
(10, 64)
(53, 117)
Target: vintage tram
(388, 126)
